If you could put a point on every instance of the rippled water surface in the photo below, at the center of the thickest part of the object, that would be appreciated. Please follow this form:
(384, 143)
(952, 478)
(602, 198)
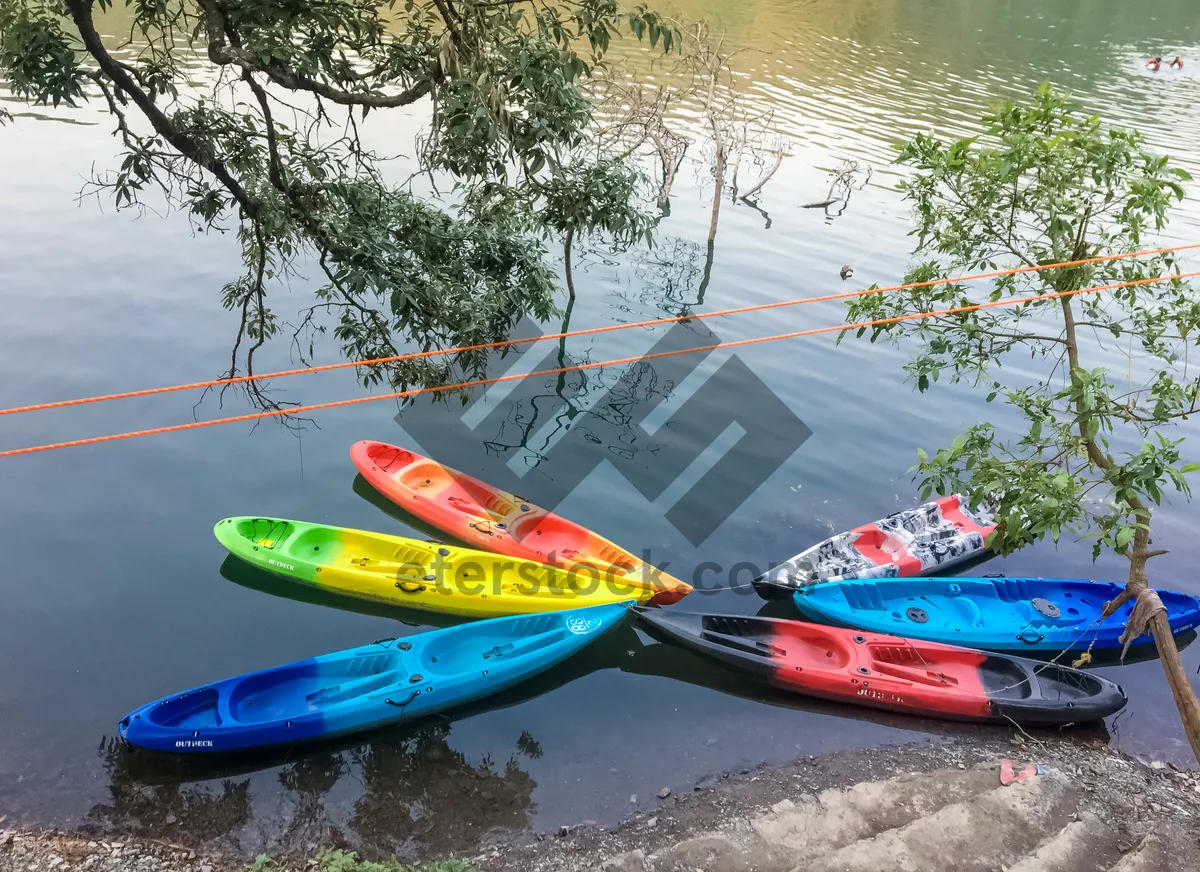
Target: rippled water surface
(115, 592)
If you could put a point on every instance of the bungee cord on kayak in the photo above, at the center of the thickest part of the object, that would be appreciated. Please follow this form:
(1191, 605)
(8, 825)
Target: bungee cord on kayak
(836, 328)
(589, 331)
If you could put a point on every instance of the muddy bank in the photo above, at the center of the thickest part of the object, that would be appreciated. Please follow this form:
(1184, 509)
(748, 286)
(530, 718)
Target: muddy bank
(1143, 805)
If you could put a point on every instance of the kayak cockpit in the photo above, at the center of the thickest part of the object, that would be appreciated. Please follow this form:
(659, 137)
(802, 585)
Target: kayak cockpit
(262, 532)
(309, 686)
(196, 710)
(388, 457)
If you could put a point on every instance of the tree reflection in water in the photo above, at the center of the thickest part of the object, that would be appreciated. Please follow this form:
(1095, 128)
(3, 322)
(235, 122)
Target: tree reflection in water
(144, 804)
(308, 781)
(418, 796)
(418, 793)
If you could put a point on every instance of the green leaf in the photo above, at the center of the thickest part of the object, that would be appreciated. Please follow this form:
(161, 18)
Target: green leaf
(1188, 468)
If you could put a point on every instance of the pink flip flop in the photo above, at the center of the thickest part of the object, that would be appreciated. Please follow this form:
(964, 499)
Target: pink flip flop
(1008, 777)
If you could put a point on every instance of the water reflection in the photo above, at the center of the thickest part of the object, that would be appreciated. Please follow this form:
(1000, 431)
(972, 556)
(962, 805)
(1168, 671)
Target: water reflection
(419, 790)
(308, 781)
(415, 794)
(666, 277)
(145, 804)
(242, 573)
(562, 429)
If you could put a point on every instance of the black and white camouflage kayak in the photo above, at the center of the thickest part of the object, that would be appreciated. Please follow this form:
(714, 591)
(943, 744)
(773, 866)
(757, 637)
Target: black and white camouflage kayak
(931, 538)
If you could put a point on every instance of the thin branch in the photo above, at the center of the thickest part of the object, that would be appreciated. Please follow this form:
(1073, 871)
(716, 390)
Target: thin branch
(757, 186)
(222, 53)
(81, 14)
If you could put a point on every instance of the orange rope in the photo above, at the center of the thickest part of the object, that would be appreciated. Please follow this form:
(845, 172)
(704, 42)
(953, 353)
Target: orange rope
(585, 332)
(504, 378)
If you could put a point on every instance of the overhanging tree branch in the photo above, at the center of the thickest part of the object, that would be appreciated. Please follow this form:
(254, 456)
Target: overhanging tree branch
(81, 14)
(222, 52)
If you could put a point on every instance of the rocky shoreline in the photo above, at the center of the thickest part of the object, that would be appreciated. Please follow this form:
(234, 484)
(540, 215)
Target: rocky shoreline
(867, 809)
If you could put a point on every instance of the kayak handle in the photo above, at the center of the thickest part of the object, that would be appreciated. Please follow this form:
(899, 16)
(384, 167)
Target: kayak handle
(401, 705)
(411, 586)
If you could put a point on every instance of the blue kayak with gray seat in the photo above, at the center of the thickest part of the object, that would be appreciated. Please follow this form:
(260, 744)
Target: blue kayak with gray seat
(1039, 617)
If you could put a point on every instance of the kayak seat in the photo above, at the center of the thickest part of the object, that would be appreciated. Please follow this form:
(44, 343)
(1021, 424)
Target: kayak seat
(363, 686)
(810, 647)
(314, 545)
(456, 655)
(964, 606)
(1002, 678)
(878, 546)
(906, 662)
(1011, 590)
(883, 549)
(194, 711)
(496, 503)
(424, 477)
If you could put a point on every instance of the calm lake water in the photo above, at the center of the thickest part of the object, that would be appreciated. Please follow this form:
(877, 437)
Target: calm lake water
(115, 591)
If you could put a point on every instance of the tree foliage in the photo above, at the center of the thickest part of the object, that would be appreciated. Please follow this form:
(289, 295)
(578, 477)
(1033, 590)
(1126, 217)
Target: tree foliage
(271, 144)
(1043, 184)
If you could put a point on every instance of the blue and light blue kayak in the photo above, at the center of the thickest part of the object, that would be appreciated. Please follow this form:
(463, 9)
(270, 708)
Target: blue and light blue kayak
(1032, 616)
(384, 683)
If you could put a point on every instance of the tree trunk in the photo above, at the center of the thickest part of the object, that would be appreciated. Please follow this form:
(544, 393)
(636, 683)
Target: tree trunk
(1181, 687)
(720, 183)
(1164, 640)
(567, 261)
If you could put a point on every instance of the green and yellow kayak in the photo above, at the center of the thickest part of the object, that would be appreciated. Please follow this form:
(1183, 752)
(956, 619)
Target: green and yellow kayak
(415, 574)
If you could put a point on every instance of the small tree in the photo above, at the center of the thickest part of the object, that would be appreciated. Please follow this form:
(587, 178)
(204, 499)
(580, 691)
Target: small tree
(273, 148)
(1047, 184)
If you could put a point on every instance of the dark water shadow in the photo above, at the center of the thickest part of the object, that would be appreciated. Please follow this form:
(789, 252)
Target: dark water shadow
(245, 575)
(424, 529)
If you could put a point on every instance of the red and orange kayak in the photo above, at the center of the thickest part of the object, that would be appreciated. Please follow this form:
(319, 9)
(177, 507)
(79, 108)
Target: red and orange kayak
(486, 517)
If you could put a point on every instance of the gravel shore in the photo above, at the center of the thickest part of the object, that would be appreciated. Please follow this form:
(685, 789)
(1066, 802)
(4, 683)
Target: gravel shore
(1134, 799)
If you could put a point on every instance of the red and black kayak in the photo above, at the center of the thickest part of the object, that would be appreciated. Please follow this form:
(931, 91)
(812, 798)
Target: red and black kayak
(488, 518)
(888, 672)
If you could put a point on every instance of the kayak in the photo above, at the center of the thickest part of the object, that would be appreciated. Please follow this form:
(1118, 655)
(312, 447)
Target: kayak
(933, 537)
(410, 573)
(486, 517)
(887, 672)
(1035, 616)
(387, 682)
